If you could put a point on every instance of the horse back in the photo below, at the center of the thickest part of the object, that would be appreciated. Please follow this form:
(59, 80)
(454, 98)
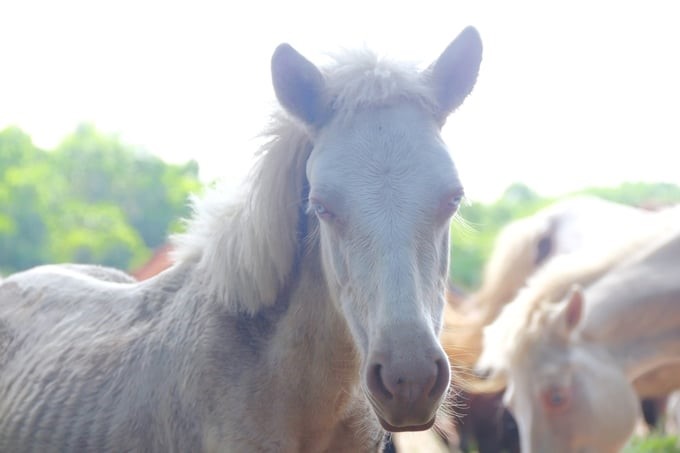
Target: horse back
(80, 366)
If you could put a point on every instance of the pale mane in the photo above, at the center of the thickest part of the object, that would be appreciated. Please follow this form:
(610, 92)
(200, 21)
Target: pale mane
(531, 310)
(512, 260)
(244, 246)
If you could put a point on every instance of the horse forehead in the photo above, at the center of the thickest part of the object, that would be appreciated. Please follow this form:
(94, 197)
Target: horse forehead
(387, 148)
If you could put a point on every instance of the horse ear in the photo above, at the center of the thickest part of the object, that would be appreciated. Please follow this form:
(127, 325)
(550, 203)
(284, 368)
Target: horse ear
(454, 73)
(298, 85)
(573, 311)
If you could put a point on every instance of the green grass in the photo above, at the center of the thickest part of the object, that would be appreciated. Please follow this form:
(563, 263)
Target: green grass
(654, 444)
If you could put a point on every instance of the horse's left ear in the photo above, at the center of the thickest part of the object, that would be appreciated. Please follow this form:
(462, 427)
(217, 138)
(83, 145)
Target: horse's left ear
(454, 73)
(299, 85)
(573, 311)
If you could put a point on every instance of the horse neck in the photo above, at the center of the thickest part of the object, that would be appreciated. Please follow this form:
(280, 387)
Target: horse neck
(312, 311)
(299, 357)
(638, 354)
(315, 320)
(313, 348)
(633, 311)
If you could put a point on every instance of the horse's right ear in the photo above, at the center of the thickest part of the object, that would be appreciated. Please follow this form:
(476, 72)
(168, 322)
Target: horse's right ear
(454, 73)
(573, 311)
(299, 85)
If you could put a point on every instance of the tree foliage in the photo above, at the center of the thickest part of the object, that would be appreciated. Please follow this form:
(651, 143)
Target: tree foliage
(92, 200)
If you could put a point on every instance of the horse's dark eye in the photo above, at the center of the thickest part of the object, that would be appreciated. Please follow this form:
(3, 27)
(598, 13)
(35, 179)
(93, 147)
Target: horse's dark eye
(452, 201)
(455, 200)
(320, 210)
(544, 248)
(556, 399)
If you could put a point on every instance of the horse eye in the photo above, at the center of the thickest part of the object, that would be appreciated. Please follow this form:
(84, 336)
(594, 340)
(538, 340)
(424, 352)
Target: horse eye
(452, 202)
(455, 200)
(556, 398)
(320, 210)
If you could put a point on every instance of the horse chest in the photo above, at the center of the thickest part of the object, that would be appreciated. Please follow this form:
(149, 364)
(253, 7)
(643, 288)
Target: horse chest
(297, 386)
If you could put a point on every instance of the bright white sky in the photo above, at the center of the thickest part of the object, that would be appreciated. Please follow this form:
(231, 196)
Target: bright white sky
(570, 94)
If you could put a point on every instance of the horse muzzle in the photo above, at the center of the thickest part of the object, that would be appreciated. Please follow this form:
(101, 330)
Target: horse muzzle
(406, 394)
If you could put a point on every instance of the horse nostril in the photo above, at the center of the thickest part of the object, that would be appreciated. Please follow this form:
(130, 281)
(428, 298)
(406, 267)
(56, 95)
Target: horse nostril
(442, 379)
(376, 384)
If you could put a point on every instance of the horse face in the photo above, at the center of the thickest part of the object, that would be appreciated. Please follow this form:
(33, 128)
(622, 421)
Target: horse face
(384, 188)
(569, 399)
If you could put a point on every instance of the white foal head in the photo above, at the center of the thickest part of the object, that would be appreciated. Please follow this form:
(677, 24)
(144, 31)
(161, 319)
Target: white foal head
(384, 188)
(567, 396)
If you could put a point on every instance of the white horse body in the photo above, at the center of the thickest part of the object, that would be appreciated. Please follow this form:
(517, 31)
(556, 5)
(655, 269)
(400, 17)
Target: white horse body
(523, 247)
(585, 223)
(301, 318)
(562, 230)
(634, 312)
(569, 367)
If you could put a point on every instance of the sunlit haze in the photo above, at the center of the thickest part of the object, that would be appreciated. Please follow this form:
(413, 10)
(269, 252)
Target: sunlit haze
(570, 94)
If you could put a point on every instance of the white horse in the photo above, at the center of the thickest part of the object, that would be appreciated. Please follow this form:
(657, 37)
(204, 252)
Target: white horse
(302, 317)
(569, 367)
(522, 248)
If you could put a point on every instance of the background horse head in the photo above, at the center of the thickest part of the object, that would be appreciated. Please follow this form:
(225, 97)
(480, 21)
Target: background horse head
(522, 248)
(569, 366)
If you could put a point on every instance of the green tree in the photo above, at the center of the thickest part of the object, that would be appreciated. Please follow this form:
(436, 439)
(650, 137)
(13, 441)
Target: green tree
(16, 148)
(640, 194)
(27, 190)
(94, 233)
(151, 193)
(23, 232)
(93, 200)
